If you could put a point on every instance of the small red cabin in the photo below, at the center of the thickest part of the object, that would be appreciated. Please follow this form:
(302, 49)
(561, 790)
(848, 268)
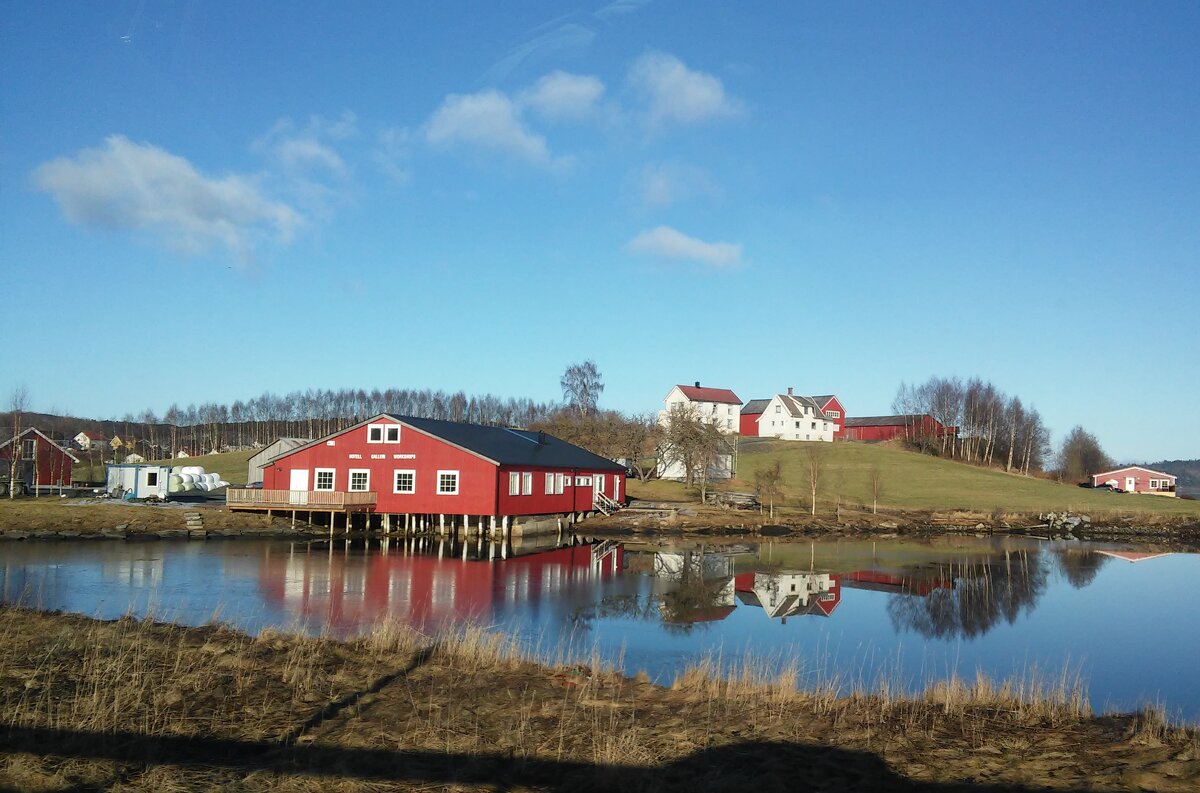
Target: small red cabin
(1135, 479)
(40, 461)
(420, 466)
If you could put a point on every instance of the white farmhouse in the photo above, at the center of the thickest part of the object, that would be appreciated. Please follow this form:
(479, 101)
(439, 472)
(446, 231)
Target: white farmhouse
(717, 406)
(796, 418)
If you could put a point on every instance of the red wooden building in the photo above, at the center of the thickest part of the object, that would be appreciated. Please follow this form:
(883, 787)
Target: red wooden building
(834, 411)
(416, 466)
(40, 461)
(1135, 479)
(885, 428)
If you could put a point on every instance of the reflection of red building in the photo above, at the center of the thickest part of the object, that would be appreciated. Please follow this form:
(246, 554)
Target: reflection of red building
(790, 593)
(349, 593)
(880, 581)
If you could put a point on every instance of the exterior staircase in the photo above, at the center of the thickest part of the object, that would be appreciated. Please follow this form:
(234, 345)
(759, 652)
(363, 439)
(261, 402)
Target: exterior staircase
(605, 504)
(602, 551)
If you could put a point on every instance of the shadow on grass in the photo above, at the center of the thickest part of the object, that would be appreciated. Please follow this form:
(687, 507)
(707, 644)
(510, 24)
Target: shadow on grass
(757, 767)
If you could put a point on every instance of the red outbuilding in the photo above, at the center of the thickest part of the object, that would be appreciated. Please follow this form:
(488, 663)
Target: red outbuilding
(886, 428)
(40, 461)
(415, 466)
(1135, 479)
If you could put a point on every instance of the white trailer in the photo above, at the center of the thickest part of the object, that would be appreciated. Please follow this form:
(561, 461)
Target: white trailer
(138, 480)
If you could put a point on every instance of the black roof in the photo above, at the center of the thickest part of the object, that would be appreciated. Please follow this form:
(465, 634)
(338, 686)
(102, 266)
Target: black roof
(755, 406)
(511, 447)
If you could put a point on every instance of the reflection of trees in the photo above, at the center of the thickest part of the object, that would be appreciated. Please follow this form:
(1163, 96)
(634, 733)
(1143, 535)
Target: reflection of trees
(1079, 566)
(983, 594)
(693, 597)
(628, 606)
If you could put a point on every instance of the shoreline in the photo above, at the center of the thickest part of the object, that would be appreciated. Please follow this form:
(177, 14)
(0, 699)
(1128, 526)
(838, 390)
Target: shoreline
(131, 705)
(49, 519)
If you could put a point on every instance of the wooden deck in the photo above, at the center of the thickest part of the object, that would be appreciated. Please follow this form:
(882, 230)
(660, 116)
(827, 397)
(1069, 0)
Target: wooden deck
(303, 500)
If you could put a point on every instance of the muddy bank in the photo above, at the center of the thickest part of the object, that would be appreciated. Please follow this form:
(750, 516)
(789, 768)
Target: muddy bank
(130, 706)
(694, 519)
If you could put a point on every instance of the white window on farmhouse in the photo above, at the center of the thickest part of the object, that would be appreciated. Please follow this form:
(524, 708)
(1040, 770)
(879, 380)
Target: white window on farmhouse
(779, 408)
(324, 479)
(406, 482)
(559, 481)
(360, 480)
(797, 425)
(834, 414)
(514, 483)
(391, 433)
(549, 484)
(527, 483)
(28, 448)
(447, 483)
(814, 425)
(374, 433)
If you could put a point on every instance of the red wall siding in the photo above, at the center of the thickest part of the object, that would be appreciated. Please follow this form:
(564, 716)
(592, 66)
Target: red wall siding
(748, 425)
(54, 466)
(476, 477)
(927, 426)
(482, 487)
(834, 404)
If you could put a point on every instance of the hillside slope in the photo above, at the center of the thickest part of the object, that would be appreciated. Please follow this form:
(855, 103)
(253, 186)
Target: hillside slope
(912, 481)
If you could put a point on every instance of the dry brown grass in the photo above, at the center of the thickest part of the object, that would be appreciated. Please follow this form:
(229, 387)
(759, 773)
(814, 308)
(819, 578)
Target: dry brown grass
(471, 703)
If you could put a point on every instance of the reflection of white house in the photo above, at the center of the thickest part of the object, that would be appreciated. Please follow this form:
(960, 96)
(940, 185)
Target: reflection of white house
(796, 418)
(788, 594)
(717, 406)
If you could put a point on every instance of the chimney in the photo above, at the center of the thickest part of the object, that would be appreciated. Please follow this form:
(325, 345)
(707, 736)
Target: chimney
(697, 384)
(789, 391)
(541, 438)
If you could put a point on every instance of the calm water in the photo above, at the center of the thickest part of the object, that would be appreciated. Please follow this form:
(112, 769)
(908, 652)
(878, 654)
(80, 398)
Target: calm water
(907, 611)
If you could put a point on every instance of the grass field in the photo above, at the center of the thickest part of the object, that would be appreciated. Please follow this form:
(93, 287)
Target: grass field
(912, 481)
(230, 465)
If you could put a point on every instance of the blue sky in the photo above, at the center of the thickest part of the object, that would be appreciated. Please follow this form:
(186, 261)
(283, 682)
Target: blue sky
(203, 201)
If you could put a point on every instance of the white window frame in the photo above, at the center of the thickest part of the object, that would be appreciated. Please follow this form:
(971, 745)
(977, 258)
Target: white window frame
(366, 488)
(152, 474)
(332, 479)
(28, 448)
(442, 492)
(549, 483)
(778, 409)
(834, 414)
(371, 428)
(527, 483)
(396, 485)
(514, 483)
(559, 481)
(388, 429)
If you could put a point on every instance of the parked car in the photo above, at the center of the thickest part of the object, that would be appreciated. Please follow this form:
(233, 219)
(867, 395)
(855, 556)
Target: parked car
(254, 486)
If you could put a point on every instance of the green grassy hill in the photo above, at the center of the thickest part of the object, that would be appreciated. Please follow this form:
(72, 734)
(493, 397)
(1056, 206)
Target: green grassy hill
(913, 481)
(230, 465)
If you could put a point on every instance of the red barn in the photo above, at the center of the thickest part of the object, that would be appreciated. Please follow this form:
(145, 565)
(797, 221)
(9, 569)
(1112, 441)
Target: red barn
(40, 461)
(885, 428)
(416, 466)
(1135, 479)
(834, 411)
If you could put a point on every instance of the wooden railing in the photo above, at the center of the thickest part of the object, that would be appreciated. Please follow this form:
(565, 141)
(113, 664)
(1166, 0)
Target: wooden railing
(249, 498)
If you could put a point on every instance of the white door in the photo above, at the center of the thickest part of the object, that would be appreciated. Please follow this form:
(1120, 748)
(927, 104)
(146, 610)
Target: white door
(1130, 484)
(597, 485)
(299, 486)
(616, 488)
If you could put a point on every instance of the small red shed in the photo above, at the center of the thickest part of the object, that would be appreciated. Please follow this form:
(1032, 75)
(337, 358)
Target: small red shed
(40, 461)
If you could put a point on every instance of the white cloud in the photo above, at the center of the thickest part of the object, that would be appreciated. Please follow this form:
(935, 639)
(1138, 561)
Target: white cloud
(391, 153)
(663, 185)
(667, 243)
(675, 93)
(562, 96)
(138, 187)
(300, 150)
(488, 120)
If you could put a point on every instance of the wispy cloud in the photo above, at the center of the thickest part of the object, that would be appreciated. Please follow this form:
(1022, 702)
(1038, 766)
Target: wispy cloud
(308, 147)
(660, 186)
(488, 120)
(673, 93)
(138, 187)
(561, 96)
(391, 153)
(668, 243)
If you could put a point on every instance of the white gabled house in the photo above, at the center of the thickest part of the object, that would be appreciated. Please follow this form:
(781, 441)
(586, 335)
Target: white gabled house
(717, 406)
(796, 418)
